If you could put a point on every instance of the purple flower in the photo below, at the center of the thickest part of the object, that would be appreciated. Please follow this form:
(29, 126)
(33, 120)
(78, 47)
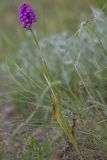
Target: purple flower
(27, 15)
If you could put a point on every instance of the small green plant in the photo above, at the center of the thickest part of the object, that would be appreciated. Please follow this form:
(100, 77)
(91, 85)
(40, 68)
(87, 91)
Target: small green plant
(25, 12)
(37, 150)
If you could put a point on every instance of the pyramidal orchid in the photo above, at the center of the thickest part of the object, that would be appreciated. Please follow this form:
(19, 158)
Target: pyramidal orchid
(27, 15)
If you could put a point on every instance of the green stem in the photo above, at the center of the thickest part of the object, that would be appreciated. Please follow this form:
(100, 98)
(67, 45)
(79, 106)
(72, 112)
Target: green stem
(35, 39)
(45, 67)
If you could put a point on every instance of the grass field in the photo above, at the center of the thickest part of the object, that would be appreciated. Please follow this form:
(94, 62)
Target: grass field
(53, 101)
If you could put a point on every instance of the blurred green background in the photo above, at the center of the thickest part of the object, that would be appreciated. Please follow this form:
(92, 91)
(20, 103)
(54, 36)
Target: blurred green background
(53, 17)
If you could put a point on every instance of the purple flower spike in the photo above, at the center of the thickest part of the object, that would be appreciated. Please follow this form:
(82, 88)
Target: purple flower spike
(27, 15)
